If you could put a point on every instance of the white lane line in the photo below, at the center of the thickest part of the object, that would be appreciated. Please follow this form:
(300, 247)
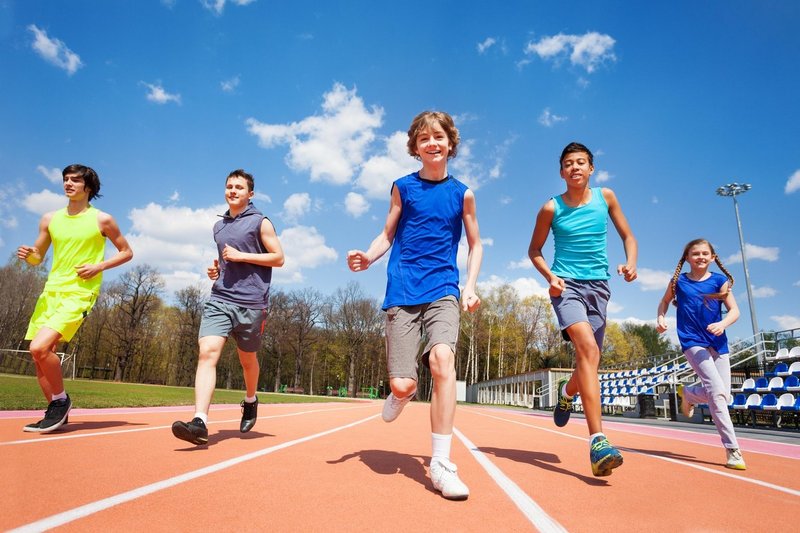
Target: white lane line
(766, 484)
(151, 428)
(535, 514)
(85, 510)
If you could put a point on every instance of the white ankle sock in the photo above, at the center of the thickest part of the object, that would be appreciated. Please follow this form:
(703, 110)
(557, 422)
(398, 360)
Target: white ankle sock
(593, 435)
(441, 446)
(61, 396)
(202, 416)
(564, 391)
(250, 399)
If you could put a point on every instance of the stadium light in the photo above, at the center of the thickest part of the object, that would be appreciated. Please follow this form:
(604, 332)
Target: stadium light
(732, 190)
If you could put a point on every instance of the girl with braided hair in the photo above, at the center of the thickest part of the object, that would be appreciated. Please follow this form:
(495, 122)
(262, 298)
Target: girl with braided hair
(698, 296)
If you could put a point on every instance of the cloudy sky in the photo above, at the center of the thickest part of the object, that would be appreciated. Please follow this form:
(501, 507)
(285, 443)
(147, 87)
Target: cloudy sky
(165, 98)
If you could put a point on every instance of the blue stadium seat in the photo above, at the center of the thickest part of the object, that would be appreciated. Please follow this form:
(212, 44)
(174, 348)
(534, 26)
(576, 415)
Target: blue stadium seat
(781, 369)
(792, 384)
(762, 384)
(740, 401)
(769, 402)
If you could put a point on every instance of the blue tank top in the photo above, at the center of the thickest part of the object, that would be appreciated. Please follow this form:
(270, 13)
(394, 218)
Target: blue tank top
(242, 284)
(579, 235)
(422, 265)
(695, 313)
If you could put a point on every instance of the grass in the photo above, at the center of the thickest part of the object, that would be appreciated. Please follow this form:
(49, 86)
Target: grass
(22, 392)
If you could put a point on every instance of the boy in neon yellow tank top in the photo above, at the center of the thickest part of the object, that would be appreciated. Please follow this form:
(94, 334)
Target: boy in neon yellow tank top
(78, 234)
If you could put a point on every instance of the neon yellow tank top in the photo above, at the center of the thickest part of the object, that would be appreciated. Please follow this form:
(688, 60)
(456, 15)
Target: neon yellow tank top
(76, 240)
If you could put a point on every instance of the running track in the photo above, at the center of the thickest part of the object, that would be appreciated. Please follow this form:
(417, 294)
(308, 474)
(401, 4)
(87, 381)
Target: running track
(339, 467)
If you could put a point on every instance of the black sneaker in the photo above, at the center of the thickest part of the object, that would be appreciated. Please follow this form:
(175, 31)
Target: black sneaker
(56, 416)
(563, 406)
(249, 415)
(194, 431)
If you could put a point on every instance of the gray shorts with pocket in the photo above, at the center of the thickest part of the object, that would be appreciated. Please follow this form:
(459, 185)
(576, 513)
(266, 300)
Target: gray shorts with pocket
(246, 326)
(408, 326)
(583, 301)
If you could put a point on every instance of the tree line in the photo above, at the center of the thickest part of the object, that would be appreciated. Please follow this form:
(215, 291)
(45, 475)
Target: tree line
(320, 343)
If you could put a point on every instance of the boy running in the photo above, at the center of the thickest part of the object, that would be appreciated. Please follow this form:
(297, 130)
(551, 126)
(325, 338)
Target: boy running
(578, 281)
(423, 228)
(248, 249)
(78, 234)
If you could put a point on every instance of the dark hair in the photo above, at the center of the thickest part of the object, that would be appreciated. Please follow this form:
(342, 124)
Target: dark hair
(239, 173)
(429, 118)
(712, 296)
(90, 178)
(572, 148)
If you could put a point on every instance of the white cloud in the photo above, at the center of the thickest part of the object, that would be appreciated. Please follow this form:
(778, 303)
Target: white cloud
(763, 292)
(602, 176)
(157, 94)
(786, 321)
(296, 205)
(379, 171)
(796, 283)
(53, 175)
(54, 51)
(588, 50)
(654, 199)
(218, 6)
(330, 146)
(793, 183)
(653, 280)
(303, 247)
(175, 196)
(486, 44)
(355, 204)
(549, 119)
(230, 85)
(765, 253)
(7, 194)
(524, 286)
(43, 202)
(614, 307)
(524, 264)
(261, 197)
(463, 253)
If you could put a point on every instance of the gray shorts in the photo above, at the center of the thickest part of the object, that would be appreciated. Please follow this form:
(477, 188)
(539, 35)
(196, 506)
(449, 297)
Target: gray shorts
(246, 326)
(583, 301)
(408, 326)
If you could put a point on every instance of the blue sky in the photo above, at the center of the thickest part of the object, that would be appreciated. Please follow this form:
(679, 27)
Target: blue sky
(164, 98)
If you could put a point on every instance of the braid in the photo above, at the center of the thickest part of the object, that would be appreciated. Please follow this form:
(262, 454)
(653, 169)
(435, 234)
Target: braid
(725, 271)
(674, 281)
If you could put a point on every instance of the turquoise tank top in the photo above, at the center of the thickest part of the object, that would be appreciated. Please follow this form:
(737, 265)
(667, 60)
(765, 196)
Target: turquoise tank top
(579, 235)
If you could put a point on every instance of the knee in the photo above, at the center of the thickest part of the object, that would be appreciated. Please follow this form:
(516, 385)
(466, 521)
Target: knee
(39, 350)
(441, 361)
(208, 356)
(402, 388)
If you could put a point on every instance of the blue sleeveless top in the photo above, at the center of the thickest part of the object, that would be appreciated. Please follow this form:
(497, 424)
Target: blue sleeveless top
(422, 265)
(694, 314)
(242, 284)
(579, 235)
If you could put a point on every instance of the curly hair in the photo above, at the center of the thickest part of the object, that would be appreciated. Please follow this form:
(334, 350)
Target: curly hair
(431, 118)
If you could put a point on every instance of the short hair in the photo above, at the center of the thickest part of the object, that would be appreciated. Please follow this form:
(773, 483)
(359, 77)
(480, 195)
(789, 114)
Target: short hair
(429, 118)
(90, 178)
(239, 173)
(572, 148)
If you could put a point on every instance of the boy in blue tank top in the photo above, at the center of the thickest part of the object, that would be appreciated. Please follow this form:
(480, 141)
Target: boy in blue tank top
(248, 249)
(427, 211)
(578, 281)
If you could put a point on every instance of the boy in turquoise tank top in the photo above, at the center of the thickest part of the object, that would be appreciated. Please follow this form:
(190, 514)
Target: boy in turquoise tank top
(578, 286)
(427, 212)
(78, 234)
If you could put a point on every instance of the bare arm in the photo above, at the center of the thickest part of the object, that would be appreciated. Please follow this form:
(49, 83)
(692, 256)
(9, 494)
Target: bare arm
(469, 299)
(540, 231)
(663, 306)
(628, 240)
(359, 260)
(732, 316)
(33, 255)
(273, 257)
(109, 229)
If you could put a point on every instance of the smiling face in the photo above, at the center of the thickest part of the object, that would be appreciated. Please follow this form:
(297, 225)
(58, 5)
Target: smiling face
(433, 144)
(699, 256)
(576, 168)
(237, 194)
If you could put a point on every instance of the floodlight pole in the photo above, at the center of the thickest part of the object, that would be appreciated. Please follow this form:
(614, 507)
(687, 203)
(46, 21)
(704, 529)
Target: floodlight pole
(732, 189)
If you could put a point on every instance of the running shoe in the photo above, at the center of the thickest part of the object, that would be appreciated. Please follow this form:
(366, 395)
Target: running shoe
(55, 416)
(393, 406)
(444, 475)
(194, 431)
(735, 459)
(687, 409)
(604, 456)
(249, 415)
(563, 406)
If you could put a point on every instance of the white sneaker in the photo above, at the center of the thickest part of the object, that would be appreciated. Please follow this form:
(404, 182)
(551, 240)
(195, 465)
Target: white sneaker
(393, 406)
(735, 459)
(444, 475)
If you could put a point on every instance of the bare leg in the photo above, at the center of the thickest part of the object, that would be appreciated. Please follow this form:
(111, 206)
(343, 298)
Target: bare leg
(443, 400)
(250, 369)
(584, 379)
(48, 365)
(205, 380)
